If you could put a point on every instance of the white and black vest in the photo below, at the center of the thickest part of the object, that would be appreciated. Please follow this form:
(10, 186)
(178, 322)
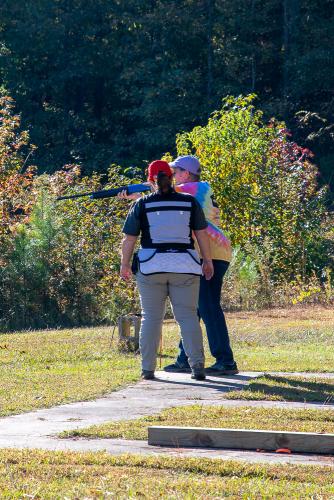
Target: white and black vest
(167, 243)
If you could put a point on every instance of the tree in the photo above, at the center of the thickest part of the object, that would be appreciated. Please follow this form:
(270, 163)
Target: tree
(108, 81)
(15, 180)
(265, 185)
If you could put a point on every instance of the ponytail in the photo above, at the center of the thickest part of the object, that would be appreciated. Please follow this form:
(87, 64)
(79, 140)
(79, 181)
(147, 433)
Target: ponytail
(164, 183)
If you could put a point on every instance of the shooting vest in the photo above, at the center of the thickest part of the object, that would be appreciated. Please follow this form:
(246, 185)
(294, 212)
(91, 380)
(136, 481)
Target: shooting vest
(167, 244)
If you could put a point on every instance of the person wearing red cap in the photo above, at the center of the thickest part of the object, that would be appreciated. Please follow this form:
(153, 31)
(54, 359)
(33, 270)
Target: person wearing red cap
(158, 166)
(168, 266)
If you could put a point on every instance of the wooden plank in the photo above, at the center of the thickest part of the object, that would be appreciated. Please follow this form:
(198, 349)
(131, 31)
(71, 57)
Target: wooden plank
(243, 439)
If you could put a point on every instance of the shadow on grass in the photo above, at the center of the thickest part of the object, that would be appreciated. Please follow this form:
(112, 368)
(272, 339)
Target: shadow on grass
(291, 389)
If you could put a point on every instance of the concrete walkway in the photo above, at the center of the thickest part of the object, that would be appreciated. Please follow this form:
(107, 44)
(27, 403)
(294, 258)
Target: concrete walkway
(39, 429)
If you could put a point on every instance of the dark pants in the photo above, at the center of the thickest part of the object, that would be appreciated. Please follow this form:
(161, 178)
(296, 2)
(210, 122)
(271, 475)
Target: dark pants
(210, 310)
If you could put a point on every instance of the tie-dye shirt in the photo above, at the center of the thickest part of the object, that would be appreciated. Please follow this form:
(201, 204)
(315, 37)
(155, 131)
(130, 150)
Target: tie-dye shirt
(220, 245)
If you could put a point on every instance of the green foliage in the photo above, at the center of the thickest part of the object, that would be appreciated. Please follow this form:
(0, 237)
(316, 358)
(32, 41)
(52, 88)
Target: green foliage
(62, 265)
(14, 180)
(265, 185)
(60, 260)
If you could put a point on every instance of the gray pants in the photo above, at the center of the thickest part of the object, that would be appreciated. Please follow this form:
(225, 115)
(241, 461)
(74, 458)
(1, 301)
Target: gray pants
(182, 289)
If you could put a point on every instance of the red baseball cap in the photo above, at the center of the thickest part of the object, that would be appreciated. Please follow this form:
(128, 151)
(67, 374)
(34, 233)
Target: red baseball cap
(158, 166)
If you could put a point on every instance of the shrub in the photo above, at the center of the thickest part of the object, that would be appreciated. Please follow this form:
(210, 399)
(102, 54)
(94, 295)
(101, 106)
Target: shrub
(62, 263)
(59, 261)
(266, 187)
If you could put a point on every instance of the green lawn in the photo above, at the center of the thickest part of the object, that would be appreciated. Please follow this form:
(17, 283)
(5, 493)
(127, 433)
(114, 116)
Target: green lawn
(276, 340)
(58, 475)
(45, 368)
(281, 419)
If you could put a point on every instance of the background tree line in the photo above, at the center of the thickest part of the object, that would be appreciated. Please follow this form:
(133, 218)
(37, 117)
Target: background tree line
(59, 261)
(109, 81)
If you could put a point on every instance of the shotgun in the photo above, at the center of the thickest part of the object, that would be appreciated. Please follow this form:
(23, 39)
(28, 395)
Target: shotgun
(109, 193)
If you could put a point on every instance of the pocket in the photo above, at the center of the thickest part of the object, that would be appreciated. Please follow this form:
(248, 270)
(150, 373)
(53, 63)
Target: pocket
(154, 262)
(146, 254)
(194, 255)
(134, 265)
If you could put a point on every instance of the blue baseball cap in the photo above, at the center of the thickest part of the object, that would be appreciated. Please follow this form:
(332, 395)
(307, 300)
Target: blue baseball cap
(188, 162)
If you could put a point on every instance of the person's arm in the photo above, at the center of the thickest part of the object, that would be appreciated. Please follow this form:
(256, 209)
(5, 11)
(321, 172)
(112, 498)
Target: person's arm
(199, 226)
(124, 196)
(131, 230)
(128, 246)
(204, 246)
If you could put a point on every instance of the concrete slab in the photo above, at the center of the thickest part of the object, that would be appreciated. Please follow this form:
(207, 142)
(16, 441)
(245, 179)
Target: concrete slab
(38, 429)
(143, 398)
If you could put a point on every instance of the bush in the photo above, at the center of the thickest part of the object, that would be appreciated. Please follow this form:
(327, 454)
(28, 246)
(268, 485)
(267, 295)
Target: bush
(249, 285)
(59, 261)
(266, 188)
(62, 264)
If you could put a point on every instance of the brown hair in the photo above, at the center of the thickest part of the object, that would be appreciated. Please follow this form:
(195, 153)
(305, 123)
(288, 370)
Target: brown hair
(164, 182)
(194, 177)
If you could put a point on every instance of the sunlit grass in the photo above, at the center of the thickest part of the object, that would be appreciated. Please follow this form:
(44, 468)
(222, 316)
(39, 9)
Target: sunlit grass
(282, 419)
(50, 475)
(44, 368)
(264, 342)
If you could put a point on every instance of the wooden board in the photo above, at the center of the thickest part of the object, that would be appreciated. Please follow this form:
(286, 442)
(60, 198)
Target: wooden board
(243, 439)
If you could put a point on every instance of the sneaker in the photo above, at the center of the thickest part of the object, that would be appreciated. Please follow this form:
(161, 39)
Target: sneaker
(147, 375)
(198, 372)
(177, 368)
(220, 368)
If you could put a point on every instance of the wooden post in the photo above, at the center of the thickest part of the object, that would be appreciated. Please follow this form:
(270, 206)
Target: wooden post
(128, 342)
(242, 439)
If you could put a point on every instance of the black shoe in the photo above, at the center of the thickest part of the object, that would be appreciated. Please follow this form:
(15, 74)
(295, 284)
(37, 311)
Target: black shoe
(147, 375)
(198, 372)
(222, 369)
(177, 368)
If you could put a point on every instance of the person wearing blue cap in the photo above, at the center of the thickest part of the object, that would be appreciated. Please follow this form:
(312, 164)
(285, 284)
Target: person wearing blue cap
(187, 171)
(167, 266)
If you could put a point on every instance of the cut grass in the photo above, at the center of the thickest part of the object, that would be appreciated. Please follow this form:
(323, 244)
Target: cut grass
(49, 475)
(45, 368)
(297, 339)
(282, 419)
(288, 388)
(293, 357)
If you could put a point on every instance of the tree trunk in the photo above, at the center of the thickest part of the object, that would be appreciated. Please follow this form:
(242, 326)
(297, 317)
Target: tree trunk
(290, 36)
(210, 7)
(253, 59)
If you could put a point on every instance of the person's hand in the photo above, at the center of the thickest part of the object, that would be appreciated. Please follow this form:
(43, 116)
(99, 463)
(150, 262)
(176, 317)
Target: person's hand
(125, 271)
(207, 268)
(124, 196)
(152, 185)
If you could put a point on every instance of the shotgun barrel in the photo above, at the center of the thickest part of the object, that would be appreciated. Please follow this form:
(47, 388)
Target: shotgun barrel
(109, 193)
